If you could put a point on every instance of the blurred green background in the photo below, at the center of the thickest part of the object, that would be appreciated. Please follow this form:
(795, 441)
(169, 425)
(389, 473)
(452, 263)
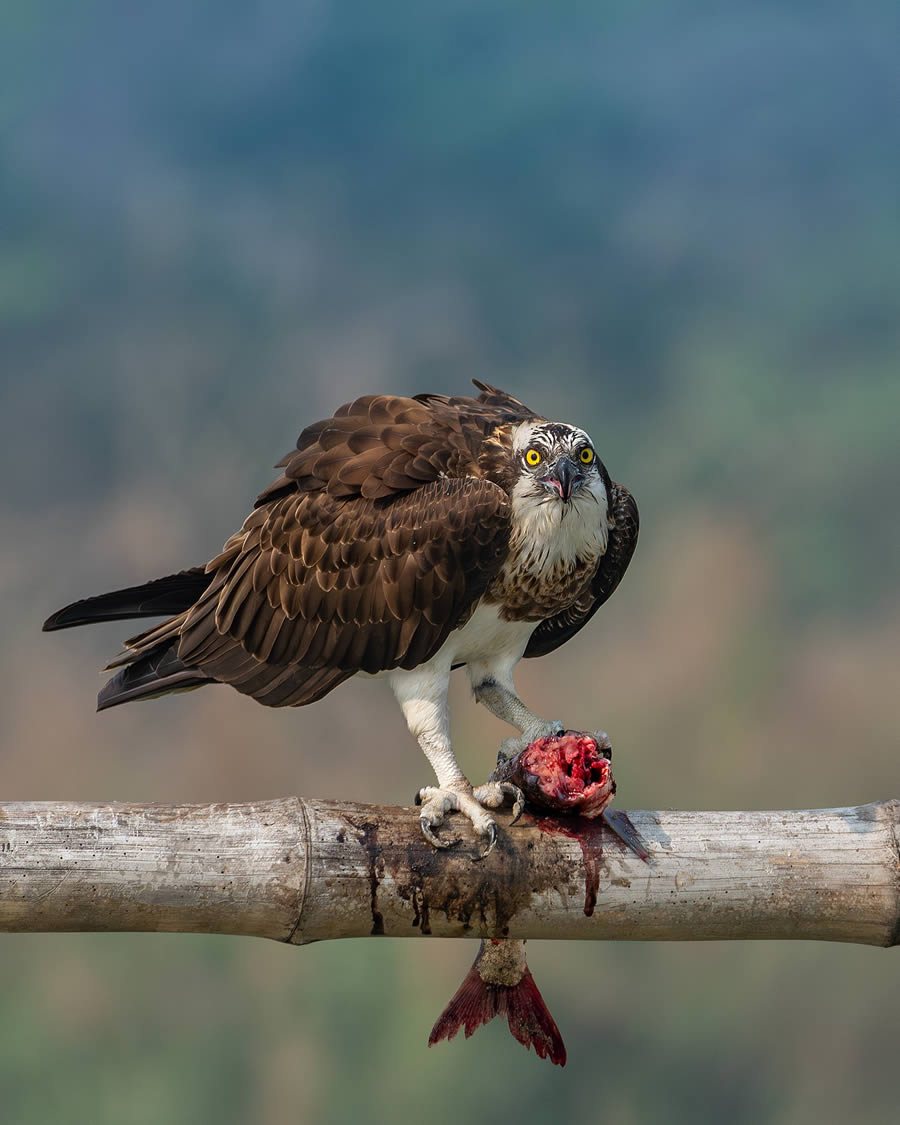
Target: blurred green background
(675, 224)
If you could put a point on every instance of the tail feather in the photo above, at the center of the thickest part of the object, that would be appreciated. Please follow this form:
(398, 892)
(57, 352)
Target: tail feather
(151, 674)
(162, 597)
(150, 665)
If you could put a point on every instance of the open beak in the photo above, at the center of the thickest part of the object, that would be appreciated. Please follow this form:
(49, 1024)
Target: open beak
(565, 478)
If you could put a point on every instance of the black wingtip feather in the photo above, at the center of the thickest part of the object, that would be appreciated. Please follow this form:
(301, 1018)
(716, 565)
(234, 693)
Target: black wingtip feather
(163, 597)
(117, 691)
(65, 618)
(155, 673)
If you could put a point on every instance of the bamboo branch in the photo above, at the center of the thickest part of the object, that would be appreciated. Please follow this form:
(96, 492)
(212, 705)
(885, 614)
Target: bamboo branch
(303, 870)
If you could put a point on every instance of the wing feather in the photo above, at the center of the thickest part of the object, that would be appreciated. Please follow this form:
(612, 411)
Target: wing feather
(363, 555)
(392, 607)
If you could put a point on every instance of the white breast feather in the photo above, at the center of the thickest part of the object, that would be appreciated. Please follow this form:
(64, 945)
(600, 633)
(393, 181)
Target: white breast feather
(485, 638)
(549, 537)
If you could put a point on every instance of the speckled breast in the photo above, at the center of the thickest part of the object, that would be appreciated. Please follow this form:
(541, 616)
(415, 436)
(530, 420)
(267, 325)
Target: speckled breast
(528, 596)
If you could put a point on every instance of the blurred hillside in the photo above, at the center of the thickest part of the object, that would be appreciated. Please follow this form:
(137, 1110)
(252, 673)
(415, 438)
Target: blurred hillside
(675, 224)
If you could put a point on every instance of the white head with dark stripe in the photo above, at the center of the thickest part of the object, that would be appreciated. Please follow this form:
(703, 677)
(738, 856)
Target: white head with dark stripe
(561, 490)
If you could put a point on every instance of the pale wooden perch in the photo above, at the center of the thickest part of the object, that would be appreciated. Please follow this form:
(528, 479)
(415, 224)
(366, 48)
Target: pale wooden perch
(303, 870)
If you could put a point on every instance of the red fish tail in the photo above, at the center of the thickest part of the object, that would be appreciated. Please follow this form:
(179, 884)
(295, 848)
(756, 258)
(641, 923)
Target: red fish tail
(476, 1002)
(530, 1021)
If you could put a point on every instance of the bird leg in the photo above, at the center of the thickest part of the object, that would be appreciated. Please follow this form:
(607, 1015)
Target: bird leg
(493, 686)
(424, 705)
(496, 690)
(498, 693)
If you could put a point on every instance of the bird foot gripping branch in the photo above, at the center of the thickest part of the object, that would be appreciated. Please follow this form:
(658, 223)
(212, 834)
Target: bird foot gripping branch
(569, 774)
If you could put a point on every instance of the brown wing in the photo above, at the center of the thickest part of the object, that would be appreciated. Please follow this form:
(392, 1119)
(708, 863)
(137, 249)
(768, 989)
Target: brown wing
(363, 555)
(383, 445)
(314, 589)
(623, 535)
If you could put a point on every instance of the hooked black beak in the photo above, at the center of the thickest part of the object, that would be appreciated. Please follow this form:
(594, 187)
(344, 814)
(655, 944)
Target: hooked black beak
(565, 478)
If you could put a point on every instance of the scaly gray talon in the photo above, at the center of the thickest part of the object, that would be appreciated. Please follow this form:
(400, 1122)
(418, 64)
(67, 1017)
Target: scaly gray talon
(495, 794)
(437, 801)
(509, 747)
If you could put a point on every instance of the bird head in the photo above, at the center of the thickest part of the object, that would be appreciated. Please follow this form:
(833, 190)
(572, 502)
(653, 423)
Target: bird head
(557, 463)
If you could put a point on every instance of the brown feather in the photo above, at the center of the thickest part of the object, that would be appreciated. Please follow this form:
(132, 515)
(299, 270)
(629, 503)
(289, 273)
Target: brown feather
(385, 527)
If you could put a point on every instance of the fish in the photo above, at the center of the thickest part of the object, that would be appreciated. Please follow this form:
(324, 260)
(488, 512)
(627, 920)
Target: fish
(569, 776)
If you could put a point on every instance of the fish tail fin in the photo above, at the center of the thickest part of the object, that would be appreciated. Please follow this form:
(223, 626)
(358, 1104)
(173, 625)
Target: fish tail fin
(476, 1002)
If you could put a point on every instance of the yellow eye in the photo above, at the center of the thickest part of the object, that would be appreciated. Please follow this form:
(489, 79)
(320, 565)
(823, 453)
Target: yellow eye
(586, 456)
(532, 457)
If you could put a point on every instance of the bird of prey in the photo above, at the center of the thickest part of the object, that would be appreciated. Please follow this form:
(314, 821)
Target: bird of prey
(405, 537)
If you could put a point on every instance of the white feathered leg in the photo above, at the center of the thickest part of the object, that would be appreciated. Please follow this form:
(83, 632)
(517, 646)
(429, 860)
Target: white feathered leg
(422, 695)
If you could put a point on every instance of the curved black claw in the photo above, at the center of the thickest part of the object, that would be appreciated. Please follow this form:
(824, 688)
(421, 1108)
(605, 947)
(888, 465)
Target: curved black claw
(491, 836)
(436, 841)
(518, 804)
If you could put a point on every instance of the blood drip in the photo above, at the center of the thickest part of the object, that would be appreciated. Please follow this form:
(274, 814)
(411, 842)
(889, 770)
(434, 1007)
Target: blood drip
(589, 834)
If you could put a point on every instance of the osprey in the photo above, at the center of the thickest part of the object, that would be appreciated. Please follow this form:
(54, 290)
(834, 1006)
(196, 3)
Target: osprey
(405, 537)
